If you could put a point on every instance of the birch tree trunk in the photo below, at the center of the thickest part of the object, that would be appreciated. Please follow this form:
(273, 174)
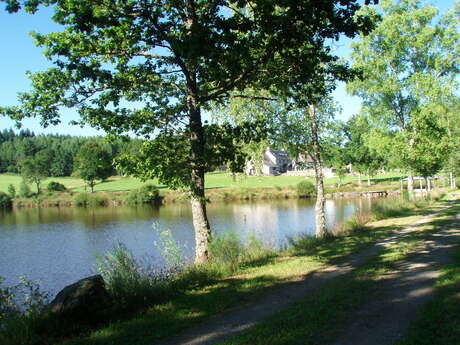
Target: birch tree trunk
(320, 218)
(410, 185)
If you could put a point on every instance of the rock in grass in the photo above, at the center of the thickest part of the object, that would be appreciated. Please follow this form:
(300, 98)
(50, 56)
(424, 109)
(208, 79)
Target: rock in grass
(85, 296)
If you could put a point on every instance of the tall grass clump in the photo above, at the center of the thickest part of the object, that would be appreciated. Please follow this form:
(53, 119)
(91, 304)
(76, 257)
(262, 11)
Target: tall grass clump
(228, 253)
(305, 189)
(390, 208)
(130, 283)
(86, 199)
(354, 224)
(304, 242)
(146, 194)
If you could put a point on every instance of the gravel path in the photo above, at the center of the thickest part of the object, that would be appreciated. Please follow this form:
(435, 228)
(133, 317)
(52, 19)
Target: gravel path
(385, 320)
(411, 288)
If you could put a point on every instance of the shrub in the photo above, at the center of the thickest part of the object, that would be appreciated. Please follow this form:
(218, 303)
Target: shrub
(24, 190)
(54, 186)
(5, 200)
(147, 194)
(11, 191)
(86, 199)
(306, 189)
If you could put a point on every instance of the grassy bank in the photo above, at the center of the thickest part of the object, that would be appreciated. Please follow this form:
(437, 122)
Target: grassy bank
(220, 186)
(311, 319)
(236, 276)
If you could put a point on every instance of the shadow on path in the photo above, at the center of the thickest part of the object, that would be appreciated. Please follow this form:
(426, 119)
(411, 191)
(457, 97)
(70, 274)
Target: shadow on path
(223, 326)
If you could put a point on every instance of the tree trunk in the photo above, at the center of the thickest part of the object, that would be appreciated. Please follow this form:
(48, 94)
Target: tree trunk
(368, 179)
(320, 218)
(452, 180)
(410, 185)
(197, 193)
(428, 184)
(359, 179)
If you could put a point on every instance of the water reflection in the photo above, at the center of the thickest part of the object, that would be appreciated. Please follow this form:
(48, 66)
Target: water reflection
(58, 245)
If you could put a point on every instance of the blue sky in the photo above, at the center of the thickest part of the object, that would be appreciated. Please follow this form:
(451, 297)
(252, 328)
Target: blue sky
(19, 54)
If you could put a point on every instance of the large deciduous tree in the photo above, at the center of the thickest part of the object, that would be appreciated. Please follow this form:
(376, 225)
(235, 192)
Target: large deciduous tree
(410, 55)
(151, 66)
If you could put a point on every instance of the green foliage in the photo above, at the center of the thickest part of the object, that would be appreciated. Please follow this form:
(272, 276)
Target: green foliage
(22, 312)
(54, 186)
(129, 283)
(409, 65)
(390, 209)
(167, 157)
(228, 253)
(34, 170)
(355, 223)
(358, 152)
(169, 249)
(5, 200)
(11, 191)
(306, 189)
(90, 200)
(147, 194)
(24, 190)
(92, 163)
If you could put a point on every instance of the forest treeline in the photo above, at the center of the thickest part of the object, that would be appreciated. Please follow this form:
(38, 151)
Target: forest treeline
(60, 150)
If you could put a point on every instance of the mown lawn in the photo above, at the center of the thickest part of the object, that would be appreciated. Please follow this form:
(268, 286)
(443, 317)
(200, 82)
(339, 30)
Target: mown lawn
(213, 181)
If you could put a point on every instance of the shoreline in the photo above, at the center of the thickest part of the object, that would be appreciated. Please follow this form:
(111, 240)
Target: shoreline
(117, 199)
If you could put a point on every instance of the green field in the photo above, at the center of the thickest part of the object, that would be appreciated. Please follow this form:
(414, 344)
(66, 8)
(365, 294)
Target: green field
(213, 181)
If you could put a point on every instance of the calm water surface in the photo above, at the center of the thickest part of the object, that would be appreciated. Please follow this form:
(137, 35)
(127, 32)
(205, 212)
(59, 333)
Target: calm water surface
(58, 245)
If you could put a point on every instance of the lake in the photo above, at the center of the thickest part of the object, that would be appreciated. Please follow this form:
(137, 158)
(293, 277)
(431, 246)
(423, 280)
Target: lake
(58, 246)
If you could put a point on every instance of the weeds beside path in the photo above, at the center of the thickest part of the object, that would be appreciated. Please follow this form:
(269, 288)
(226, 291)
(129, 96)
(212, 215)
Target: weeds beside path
(224, 326)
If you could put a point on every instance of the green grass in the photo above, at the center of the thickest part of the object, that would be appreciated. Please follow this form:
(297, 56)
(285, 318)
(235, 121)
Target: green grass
(197, 302)
(213, 181)
(439, 322)
(309, 322)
